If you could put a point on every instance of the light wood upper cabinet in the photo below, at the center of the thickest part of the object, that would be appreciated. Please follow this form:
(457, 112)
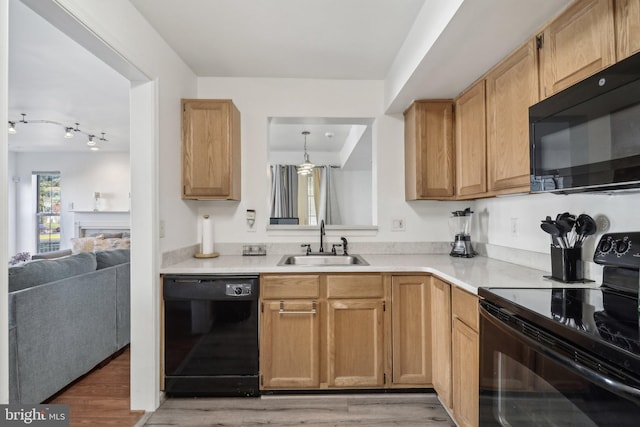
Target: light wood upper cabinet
(577, 44)
(411, 330)
(627, 20)
(465, 357)
(428, 150)
(470, 146)
(512, 87)
(441, 339)
(211, 155)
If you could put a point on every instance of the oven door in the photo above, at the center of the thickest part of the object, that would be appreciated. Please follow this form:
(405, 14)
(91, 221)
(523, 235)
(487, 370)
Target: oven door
(523, 382)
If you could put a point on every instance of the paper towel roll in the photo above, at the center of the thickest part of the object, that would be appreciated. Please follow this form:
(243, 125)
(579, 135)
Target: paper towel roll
(207, 235)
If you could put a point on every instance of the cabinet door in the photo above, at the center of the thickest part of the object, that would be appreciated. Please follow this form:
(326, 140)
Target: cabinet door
(512, 87)
(210, 149)
(355, 343)
(471, 137)
(465, 374)
(429, 150)
(411, 330)
(290, 344)
(627, 19)
(441, 333)
(577, 44)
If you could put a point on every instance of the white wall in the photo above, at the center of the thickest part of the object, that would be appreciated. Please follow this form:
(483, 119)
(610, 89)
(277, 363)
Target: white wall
(260, 98)
(81, 175)
(494, 218)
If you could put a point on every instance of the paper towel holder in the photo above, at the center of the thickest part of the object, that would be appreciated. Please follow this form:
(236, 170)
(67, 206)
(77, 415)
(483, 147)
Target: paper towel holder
(207, 255)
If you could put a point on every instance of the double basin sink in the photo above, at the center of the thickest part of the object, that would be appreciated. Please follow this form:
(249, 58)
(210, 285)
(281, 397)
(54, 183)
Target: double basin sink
(322, 260)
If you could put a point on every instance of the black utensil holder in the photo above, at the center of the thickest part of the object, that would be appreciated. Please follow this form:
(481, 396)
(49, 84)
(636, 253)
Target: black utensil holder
(566, 264)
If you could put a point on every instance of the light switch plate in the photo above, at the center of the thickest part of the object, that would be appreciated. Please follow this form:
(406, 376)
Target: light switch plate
(397, 224)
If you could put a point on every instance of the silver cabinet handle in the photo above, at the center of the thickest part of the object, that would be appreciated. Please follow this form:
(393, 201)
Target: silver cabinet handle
(312, 311)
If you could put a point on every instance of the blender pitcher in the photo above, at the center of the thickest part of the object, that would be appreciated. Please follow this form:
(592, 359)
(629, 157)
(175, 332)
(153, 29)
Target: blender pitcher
(460, 225)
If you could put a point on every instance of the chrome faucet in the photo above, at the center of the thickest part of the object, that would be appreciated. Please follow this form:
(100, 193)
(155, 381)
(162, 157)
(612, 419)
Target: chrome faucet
(321, 236)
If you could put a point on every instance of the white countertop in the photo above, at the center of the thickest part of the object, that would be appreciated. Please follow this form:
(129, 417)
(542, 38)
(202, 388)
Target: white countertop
(467, 273)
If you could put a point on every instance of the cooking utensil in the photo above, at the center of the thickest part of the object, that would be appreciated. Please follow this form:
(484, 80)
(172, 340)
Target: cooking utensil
(554, 231)
(565, 227)
(585, 227)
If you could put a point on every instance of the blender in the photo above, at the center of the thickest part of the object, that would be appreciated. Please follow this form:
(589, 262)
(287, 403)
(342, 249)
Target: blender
(460, 225)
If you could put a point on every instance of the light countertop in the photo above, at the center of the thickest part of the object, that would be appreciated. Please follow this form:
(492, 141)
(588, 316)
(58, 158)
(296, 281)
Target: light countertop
(467, 273)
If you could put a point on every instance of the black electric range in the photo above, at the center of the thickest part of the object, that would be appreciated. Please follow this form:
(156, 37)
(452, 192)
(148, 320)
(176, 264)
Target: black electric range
(567, 355)
(603, 320)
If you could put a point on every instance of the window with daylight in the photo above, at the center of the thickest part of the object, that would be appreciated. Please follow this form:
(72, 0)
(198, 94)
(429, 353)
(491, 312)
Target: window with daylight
(47, 211)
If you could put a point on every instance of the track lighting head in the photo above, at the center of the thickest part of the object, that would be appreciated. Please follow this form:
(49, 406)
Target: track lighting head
(12, 128)
(68, 133)
(91, 142)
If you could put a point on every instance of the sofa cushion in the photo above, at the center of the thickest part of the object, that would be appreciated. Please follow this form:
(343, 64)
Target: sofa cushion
(48, 270)
(52, 255)
(113, 257)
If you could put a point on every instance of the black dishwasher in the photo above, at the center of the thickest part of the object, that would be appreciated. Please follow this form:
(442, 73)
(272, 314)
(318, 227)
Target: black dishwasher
(211, 335)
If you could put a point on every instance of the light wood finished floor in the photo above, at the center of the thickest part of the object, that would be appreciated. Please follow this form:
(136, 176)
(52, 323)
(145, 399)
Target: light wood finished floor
(309, 410)
(101, 398)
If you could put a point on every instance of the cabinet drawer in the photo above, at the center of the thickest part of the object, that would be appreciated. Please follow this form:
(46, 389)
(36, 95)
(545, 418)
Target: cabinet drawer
(464, 306)
(290, 286)
(355, 286)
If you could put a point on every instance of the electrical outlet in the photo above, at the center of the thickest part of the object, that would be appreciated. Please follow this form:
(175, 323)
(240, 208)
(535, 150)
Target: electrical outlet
(251, 219)
(397, 224)
(514, 227)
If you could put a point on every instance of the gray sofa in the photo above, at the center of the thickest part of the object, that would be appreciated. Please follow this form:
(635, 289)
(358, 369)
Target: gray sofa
(66, 316)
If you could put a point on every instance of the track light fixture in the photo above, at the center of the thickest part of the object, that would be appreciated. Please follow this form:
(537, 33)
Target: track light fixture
(69, 131)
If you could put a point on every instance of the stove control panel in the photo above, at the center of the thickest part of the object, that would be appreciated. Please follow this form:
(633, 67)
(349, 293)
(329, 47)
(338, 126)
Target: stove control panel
(619, 250)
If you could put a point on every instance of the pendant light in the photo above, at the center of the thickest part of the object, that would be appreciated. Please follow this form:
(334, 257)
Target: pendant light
(307, 167)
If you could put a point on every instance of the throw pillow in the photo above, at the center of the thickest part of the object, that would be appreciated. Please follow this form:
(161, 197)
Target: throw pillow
(82, 244)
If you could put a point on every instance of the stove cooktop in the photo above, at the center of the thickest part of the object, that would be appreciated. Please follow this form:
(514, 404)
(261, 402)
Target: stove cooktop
(601, 320)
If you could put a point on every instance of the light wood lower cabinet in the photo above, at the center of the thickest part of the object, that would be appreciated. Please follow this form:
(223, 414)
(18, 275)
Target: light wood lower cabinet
(441, 339)
(290, 344)
(322, 331)
(411, 330)
(465, 357)
(355, 343)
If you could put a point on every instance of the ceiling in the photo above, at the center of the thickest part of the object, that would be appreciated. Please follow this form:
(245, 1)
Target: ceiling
(53, 78)
(324, 39)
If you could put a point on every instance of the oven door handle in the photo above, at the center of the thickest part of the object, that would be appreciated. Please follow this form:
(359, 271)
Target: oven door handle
(610, 384)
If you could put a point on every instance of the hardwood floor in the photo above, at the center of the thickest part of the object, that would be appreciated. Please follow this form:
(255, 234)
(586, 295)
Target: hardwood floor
(309, 410)
(101, 398)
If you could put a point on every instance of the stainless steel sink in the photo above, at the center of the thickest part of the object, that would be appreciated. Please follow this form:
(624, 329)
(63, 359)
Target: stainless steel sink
(322, 260)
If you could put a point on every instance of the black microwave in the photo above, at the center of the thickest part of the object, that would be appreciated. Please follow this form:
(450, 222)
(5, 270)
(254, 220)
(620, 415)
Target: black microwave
(587, 137)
